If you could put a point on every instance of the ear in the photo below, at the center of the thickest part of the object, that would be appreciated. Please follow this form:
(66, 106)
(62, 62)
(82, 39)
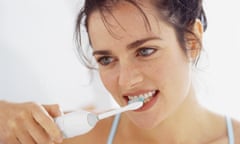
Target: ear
(194, 40)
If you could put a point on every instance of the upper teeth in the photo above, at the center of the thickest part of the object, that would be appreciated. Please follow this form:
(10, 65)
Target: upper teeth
(144, 96)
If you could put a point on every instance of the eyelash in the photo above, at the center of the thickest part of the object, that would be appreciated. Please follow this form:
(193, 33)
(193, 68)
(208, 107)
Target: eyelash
(138, 53)
(152, 50)
(100, 60)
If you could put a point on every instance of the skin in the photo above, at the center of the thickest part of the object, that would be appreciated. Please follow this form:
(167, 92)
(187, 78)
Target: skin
(176, 116)
(28, 123)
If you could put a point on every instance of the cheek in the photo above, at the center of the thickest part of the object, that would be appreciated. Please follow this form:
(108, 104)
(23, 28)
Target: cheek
(177, 78)
(109, 80)
(171, 74)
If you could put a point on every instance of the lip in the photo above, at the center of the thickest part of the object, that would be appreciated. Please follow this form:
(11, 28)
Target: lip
(147, 105)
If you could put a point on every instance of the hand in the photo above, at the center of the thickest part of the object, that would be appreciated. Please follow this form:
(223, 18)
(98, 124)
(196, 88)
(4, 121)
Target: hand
(28, 123)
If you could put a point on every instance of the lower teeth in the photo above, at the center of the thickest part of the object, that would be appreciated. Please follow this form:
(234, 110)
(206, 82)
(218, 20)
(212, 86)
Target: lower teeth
(147, 100)
(140, 99)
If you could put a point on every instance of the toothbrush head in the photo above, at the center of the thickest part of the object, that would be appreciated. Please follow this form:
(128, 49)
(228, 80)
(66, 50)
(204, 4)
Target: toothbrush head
(133, 105)
(136, 100)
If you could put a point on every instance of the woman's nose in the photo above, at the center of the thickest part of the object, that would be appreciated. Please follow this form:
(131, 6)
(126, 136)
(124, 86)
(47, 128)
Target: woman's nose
(129, 76)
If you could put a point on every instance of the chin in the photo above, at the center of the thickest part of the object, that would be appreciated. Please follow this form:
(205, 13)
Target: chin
(145, 122)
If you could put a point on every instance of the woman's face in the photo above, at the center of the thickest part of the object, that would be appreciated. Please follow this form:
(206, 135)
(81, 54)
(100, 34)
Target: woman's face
(136, 62)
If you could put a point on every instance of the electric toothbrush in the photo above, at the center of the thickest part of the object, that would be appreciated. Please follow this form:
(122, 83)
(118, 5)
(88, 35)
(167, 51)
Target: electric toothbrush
(81, 122)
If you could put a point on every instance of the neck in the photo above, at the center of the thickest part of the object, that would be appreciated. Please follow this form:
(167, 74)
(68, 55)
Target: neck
(189, 120)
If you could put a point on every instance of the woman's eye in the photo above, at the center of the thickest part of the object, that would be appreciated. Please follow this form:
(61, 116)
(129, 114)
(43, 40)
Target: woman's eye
(105, 60)
(145, 51)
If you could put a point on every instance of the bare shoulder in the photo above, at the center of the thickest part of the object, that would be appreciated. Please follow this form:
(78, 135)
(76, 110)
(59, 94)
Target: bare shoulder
(236, 127)
(98, 135)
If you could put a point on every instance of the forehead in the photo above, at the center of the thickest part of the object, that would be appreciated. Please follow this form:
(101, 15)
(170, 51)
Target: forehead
(124, 20)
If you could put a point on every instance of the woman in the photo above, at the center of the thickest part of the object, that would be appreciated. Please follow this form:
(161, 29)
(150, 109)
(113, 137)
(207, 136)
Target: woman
(144, 48)
(149, 48)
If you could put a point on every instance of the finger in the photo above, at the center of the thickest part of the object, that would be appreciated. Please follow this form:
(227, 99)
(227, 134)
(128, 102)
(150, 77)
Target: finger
(13, 140)
(17, 127)
(53, 110)
(45, 121)
(37, 133)
(24, 137)
(7, 134)
(10, 140)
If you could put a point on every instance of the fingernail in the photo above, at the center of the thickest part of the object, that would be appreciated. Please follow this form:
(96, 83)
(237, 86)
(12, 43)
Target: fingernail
(61, 111)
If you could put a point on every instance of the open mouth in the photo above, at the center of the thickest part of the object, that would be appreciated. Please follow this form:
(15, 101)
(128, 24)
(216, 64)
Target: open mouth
(146, 97)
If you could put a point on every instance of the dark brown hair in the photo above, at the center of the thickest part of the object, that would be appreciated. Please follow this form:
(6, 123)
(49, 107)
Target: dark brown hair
(181, 14)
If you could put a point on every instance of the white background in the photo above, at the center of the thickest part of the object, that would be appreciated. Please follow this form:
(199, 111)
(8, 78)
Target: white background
(222, 46)
(38, 63)
(37, 59)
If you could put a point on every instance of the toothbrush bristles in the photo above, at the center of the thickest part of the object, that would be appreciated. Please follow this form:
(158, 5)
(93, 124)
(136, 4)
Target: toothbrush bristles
(136, 100)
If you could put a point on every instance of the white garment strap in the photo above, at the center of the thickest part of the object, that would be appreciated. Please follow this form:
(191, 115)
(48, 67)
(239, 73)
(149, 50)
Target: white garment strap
(113, 129)
(230, 130)
(117, 117)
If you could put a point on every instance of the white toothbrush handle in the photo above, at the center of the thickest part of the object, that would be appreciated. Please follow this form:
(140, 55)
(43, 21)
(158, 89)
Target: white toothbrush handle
(76, 123)
(81, 122)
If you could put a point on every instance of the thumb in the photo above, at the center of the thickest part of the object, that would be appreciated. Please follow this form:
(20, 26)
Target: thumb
(53, 110)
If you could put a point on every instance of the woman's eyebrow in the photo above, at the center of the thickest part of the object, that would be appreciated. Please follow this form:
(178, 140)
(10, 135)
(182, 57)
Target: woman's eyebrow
(140, 42)
(101, 52)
